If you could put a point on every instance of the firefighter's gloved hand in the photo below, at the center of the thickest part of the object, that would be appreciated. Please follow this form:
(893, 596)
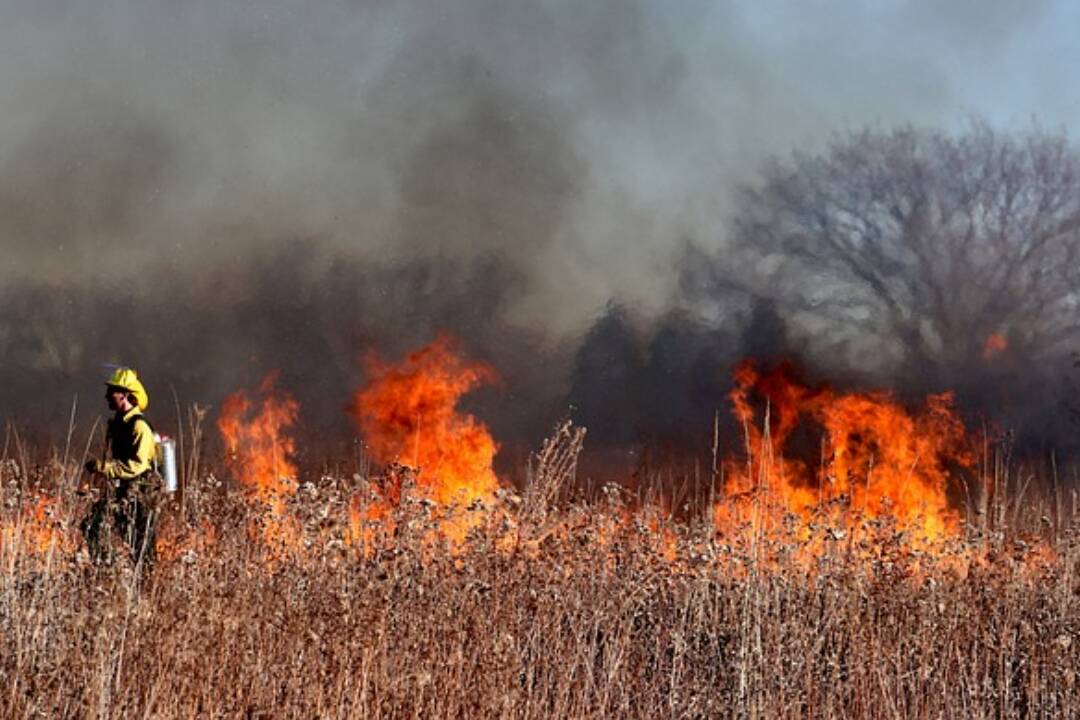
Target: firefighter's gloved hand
(94, 467)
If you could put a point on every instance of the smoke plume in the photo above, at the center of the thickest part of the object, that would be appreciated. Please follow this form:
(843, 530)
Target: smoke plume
(208, 191)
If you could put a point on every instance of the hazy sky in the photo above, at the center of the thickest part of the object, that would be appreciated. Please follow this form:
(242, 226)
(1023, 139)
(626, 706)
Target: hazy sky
(157, 129)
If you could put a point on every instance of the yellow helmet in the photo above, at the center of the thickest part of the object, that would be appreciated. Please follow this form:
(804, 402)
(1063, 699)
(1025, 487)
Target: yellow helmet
(127, 379)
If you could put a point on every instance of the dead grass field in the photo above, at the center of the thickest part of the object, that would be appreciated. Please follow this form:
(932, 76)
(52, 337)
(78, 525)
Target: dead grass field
(584, 610)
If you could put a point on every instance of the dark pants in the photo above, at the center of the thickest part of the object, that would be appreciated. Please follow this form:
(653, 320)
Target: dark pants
(127, 514)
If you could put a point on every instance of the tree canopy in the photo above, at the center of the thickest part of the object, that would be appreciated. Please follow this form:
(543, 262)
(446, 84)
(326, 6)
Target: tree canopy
(943, 249)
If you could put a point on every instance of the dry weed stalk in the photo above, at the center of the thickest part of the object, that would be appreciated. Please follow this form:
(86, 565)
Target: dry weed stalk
(596, 623)
(555, 469)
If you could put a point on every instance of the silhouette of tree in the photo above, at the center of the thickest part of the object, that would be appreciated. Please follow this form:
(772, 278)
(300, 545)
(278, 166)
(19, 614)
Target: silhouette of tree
(945, 249)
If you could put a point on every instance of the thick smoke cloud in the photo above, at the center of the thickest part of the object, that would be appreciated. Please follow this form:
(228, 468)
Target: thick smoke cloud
(212, 190)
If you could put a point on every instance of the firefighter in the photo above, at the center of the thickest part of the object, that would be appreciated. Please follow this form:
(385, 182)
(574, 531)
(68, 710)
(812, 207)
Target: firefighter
(127, 506)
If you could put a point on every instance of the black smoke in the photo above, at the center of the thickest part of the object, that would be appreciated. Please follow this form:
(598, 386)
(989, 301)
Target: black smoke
(208, 192)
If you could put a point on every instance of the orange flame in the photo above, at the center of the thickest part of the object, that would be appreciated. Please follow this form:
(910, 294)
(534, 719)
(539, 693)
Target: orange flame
(260, 450)
(408, 413)
(876, 461)
(38, 529)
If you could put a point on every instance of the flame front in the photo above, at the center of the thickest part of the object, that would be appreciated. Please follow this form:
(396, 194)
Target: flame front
(408, 413)
(260, 449)
(876, 460)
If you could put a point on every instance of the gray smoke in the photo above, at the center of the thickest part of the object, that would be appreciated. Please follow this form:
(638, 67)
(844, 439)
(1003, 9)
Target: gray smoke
(211, 190)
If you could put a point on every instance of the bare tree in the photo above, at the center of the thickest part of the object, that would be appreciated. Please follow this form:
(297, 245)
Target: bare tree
(932, 243)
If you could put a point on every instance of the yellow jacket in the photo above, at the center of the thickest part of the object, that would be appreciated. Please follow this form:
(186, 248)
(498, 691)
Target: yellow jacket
(131, 446)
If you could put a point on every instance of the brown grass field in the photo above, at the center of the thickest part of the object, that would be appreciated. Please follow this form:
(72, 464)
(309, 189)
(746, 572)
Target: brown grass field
(550, 607)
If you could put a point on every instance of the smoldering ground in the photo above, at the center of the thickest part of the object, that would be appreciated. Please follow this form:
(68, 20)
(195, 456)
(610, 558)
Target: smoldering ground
(209, 192)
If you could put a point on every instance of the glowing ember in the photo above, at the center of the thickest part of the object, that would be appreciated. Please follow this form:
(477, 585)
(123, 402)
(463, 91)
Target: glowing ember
(995, 344)
(260, 449)
(877, 461)
(408, 413)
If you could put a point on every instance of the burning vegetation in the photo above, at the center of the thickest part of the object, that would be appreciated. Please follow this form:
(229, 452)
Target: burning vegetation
(815, 462)
(409, 414)
(846, 530)
(875, 461)
(840, 553)
(259, 452)
(435, 453)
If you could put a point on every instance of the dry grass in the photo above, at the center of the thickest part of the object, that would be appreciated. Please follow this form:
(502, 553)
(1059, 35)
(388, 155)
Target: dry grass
(582, 614)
